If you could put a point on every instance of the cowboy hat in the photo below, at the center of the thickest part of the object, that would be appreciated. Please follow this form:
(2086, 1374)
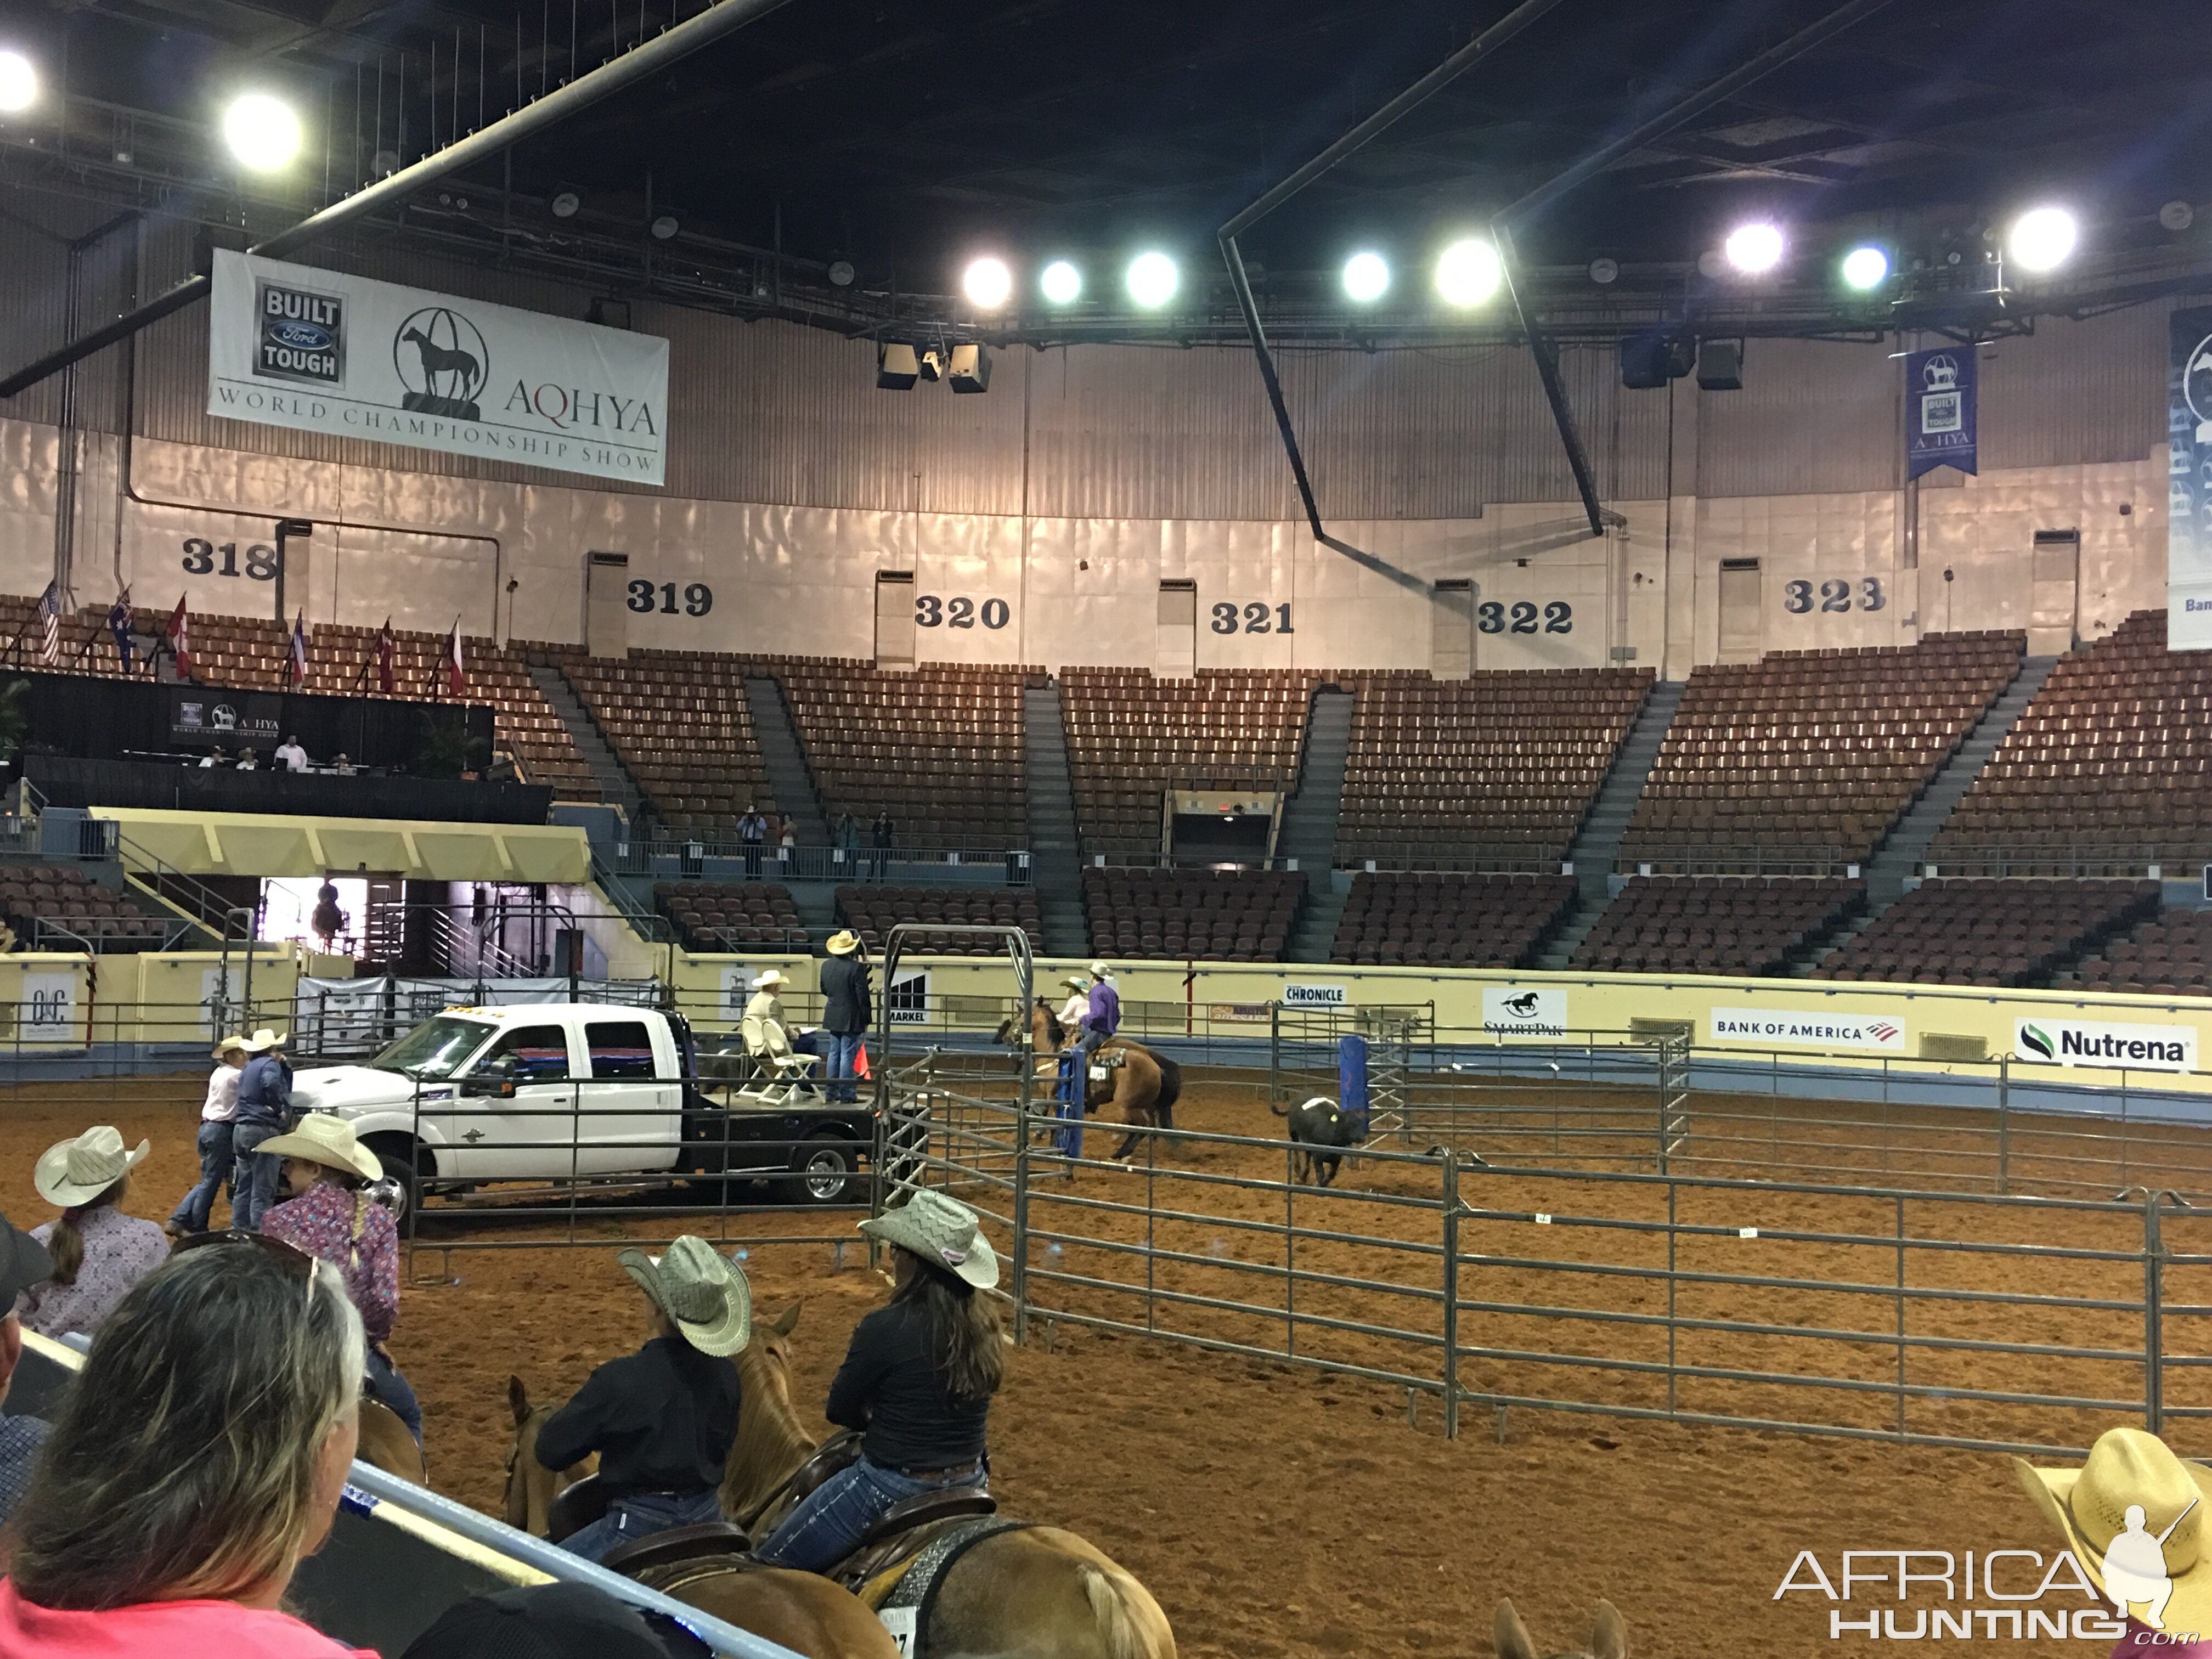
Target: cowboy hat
(73, 1172)
(1076, 982)
(843, 943)
(2135, 1510)
(23, 1261)
(704, 1295)
(1100, 970)
(263, 1041)
(229, 1045)
(773, 976)
(319, 1137)
(942, 1231)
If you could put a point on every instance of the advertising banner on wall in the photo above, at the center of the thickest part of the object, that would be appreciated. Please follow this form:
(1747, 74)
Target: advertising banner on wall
(2101, 1042)
(1805, 1028)
(2189, 482)
(1519, 1010)
(1939, 410)
(318, 352)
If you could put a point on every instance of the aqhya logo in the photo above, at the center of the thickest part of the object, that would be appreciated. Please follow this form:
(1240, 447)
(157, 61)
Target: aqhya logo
(298, 335)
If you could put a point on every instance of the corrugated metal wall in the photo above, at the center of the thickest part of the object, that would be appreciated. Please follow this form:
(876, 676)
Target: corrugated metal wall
(1814, 417)
(2073, 394)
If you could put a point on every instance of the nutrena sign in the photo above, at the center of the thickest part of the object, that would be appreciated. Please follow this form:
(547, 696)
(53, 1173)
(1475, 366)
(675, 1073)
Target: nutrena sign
(2092, 1043)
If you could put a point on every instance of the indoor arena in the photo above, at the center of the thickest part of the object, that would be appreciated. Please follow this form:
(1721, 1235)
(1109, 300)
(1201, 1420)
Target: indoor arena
(832, 830)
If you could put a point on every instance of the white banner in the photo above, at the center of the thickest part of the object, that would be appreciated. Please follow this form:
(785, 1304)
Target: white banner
(1510, 1010)
(2093, 1042)
(1315, 996)
(289, 345)
(1795, 1028)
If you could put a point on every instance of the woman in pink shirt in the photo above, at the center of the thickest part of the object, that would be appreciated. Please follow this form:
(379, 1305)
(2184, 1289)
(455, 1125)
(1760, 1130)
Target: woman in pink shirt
(198, 1459)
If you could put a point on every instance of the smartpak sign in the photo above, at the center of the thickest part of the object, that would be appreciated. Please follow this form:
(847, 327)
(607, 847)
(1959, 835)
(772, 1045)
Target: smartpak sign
(1793, 1028)
(2091, 1042)
(318, 352)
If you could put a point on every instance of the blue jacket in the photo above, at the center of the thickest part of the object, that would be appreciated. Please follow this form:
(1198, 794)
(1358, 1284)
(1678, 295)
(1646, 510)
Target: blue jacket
(1104, 1016)
(264, 1091)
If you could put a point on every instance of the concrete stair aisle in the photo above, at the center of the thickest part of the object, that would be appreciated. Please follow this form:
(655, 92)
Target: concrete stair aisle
(1056, 861)
(616, 786)
(1598, 843)
(1310, 822)
(1900, 857)
(788, 778)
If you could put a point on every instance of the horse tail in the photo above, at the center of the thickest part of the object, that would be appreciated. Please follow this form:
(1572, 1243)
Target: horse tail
(1119, 1631)
(1171, 1089)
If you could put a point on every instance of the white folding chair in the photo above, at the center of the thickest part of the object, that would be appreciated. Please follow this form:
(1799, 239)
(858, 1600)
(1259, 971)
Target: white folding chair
(783, 1075)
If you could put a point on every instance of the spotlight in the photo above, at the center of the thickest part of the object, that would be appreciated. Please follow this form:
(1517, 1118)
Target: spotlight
(841, 273)
(664, 228)
(1865, 267)
(262, 131)
(566, 205)
(1062, 282)
(1468, 272)
(1152, 280)
(2042, 239)
(1367, 277)
(19, 83)
(1753, 248)
(987, 282)
(2176, 216)
(1603, 270)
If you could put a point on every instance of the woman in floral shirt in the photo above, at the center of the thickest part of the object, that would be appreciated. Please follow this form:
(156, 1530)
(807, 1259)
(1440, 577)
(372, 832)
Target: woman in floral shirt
(99, 1253)
(327, 1212)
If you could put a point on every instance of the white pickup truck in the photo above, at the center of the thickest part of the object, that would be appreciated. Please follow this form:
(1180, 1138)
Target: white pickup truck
(575, 1092)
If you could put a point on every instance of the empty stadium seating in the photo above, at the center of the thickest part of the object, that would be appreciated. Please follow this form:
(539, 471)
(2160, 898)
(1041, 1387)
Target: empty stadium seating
(1132, 738)
(938, 748)
(2109, 769)
(1493, 770)
(2163, 954)
(679, 723)
(1447, 920)
(1717, 924)
(737, 915)
(1212, 916)
(1808, 758)
(1990, 933)
(56, 906)
(872, 912)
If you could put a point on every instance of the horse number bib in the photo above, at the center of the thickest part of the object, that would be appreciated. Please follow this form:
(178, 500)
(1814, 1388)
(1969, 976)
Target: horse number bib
(900, 1622)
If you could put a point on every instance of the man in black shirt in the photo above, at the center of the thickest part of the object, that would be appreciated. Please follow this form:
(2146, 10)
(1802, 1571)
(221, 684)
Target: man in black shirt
(662, 1419)
(846, 1011)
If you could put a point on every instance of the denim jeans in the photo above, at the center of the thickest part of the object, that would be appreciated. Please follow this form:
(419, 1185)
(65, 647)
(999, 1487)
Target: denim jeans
(1074, 1082)
(640, 1515)
(254, 1174)
(810, 1042)
(217, 1159)
(830, 1522)
(844, 1055)
(385, 1385)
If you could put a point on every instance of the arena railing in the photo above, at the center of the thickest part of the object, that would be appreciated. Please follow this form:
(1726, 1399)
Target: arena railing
(1749, 859)
(1498, 859)
(678, 858)
(2176, 860)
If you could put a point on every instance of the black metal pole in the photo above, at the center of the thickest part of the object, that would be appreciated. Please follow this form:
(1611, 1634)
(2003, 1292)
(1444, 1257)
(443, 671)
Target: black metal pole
(1555, 393)
(648, 58)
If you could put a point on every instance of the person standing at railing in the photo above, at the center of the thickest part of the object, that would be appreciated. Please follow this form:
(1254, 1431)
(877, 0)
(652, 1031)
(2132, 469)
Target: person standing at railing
(265, 1110)
(883, 838)
(846, 1012)
(787, 846)
(752, 831)
(218, 1122)
(848, 833)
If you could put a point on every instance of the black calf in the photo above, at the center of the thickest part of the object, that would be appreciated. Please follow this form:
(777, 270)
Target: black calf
(1317, 1123)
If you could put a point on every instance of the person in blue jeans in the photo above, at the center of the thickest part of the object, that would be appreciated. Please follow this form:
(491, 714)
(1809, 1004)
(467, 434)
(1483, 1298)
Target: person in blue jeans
(265, 1110)
(217, 1125)
(917, 1380)
(847, 1010)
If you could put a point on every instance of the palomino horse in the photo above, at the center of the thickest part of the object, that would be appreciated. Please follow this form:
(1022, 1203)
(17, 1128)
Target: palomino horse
(1031, 1592)
(1142, 1086)
(386, 1444)
(1609, 1636)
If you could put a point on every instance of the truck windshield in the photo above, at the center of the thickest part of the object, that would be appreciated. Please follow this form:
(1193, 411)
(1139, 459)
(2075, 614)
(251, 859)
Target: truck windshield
(436, 1049)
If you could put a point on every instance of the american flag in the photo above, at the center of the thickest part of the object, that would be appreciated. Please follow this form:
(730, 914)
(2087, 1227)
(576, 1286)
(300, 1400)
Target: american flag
(387, 659)
(457, 673)
(300, 651)
(180, 645)
(50, 624)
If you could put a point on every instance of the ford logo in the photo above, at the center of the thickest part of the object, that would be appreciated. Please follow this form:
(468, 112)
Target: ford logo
(305, 337)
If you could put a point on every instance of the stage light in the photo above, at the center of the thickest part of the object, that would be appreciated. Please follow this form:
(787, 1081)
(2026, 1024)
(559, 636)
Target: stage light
(664, 228)
(987, 282)
(19, 83)
(1061, 282)
(1865, 267)
(1753, 248)
(262, 131)
(1152, 280)
(566, 205)
(2042, 239)
(1468, 272)
(1367, 277)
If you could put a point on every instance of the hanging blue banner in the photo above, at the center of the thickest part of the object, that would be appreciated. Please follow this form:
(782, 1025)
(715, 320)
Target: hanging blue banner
(1939, 410)
(2189, 483)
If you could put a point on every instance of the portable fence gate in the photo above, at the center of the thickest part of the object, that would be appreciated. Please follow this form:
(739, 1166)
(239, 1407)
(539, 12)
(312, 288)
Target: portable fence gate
(1673, 1065)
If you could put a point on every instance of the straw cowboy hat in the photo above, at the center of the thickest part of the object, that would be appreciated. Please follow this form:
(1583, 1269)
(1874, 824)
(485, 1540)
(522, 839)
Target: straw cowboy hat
(704, 1295)
(319, 1137)
(1076, 982)
(227, 1046)
(263, 1041)
(770, 980)
(843, 944)
(2133, 1516)
(1100, 970)
(73, 1172)
(941, 1231)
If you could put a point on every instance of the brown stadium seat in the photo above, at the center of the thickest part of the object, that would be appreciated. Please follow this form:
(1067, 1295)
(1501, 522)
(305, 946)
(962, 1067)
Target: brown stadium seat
(2168, 954)
(1207, 915)
(1991, 933)
(1717, 924)
(871, 911)
(1444, 920)
(740, 916)
(60, 907)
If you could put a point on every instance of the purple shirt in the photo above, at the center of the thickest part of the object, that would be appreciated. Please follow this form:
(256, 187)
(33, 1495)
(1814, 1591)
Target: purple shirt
(119, 1251)
(322, 1222)
(1105, 1015)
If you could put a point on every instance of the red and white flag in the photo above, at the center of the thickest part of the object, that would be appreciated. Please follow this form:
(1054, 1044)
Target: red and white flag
(457, 671)
(180, 644)
(387, 660)
(299, 651)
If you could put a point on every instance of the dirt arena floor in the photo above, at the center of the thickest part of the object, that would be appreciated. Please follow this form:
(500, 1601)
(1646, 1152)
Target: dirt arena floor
(1276, 1511)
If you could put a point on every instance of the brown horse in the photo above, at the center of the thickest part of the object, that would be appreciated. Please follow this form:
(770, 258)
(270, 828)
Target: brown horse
(1033, 1593)
(1142, 1086)
(386, 1444)
(1609, 1636)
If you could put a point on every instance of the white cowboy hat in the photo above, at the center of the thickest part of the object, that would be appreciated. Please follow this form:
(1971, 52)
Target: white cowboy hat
(1076, 982)
(843, 944)
(773, 976)
(263, 1041)
(229, 1045)
(941, 1231)
(73, 1172)
(1100, 970)
(2132, 1477)
(319, 1137)
(704, 1294)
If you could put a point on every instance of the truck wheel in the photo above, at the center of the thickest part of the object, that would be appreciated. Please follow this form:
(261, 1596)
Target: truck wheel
(403, 1170)
(826, 1167)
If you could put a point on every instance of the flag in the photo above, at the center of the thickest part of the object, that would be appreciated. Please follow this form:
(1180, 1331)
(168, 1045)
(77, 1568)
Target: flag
(300, 651)
(387, 660)
(119, 624)
(180, 646)
(457, 671)
(50, 624)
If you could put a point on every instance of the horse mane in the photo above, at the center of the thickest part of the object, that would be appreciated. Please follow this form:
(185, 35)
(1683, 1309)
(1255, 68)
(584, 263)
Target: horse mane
(1052, 1027)
(771, 1443)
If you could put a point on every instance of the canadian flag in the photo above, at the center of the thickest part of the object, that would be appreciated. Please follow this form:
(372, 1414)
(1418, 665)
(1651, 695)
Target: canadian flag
(387, 660)
(180, 645)
(457, 671)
